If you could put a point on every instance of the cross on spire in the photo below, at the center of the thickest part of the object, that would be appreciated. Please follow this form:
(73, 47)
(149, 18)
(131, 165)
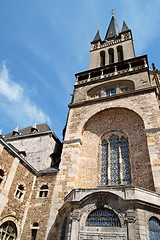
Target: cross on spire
(113, 12)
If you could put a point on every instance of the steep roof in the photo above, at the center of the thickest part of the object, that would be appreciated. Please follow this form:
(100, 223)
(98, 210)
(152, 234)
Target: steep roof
(113, 29)
(124, 27)
(97, 37)
(25, 131)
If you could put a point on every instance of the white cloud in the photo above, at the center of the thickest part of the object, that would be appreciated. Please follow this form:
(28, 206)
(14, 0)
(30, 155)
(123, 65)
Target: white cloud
(11, 90)
(16, 103)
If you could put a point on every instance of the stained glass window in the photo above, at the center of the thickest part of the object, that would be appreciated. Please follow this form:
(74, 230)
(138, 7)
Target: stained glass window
(114, 160)
(110, 92)
(103, 218)
(125, 161)
(114, 152)
(154, 229)
(113, 91)
(104, 165)
(8, 231)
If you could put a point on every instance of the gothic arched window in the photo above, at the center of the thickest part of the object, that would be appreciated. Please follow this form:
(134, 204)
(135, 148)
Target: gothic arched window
(102, 58)
(120, 53)
(111, 55)
(154, 228)
(103, 217)
(8, 231)
(115, 161)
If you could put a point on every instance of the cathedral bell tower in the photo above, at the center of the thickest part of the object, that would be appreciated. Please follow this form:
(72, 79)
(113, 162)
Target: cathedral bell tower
(116, 47)
(108, 172)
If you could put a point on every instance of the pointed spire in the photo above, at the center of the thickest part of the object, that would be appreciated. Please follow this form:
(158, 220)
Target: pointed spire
(124, 27)
(1, 132)
(97, 37)
(113, 29)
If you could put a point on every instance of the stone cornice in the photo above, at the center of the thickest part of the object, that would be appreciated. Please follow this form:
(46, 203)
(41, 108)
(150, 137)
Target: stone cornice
(112, 98)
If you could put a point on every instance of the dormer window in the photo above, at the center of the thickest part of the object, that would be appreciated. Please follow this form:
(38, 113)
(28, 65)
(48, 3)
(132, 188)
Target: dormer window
(120, 53)
(34, 128)
(111, 55)
(102, 58)
(15, 132)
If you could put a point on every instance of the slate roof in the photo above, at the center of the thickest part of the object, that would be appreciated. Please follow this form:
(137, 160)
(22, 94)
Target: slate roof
(25, 131)
(124, 27)
(97, 37)
(113, 29)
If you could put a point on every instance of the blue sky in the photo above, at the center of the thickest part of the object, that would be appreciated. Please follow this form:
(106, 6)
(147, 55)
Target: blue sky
(43, 43)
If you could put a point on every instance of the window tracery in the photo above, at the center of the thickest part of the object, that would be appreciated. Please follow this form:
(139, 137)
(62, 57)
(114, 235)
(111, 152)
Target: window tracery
(8, 231)
(154, 228)
(110, 92)
(103, 217)
(115, 161)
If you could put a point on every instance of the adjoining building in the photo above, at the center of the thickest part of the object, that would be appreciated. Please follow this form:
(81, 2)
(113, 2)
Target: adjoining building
(104, 182)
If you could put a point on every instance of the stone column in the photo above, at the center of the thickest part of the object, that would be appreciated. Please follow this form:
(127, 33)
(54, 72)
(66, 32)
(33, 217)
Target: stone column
(102, 76)
(115, 70)
(130, 66)
(75, 224)
(130, 218)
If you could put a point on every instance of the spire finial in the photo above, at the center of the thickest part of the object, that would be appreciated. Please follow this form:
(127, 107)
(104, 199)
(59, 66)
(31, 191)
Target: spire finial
(1, 132)
(112, 12)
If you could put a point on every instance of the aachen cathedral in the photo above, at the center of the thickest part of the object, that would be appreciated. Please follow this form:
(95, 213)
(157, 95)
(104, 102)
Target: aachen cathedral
(103, 181)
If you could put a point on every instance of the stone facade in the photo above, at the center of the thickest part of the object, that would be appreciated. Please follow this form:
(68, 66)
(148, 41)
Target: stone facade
(106, 182)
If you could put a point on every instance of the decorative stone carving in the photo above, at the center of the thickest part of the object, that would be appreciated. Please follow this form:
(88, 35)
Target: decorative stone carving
(130, 216)
(101, 201)
(75, 215)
